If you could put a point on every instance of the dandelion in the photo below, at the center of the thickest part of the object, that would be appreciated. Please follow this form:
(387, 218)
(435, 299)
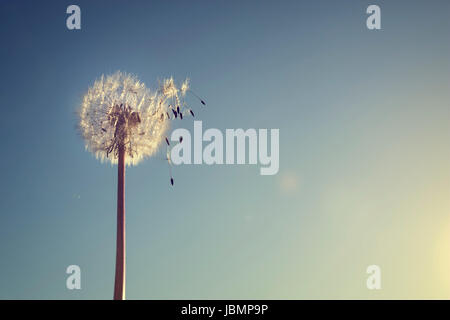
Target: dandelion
(123, 122)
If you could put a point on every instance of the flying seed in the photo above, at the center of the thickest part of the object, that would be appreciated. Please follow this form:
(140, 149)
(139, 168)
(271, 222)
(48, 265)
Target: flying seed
(181, 139)
(181, 116)
(192, 112)
(171, 181)
(167, 140)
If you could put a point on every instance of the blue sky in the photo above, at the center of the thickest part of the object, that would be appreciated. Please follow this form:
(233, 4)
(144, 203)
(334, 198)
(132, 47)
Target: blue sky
(364, 159)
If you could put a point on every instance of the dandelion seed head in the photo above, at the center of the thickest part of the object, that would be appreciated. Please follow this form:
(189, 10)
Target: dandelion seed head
(119, 111)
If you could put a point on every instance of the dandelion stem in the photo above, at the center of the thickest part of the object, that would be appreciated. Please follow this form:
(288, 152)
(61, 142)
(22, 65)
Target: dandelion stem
(119, 285)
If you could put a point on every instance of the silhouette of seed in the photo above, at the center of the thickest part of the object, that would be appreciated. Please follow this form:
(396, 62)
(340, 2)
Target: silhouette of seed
(171, 181)
(104, 130)
(181, 139)
(168, 116)
(203, 102)
(167, 140)
(181, 116)
(192, 112)
(174, 113)
(178, 109)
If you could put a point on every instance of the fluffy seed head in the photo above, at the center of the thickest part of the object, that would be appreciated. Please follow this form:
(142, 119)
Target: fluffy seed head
(119, 111)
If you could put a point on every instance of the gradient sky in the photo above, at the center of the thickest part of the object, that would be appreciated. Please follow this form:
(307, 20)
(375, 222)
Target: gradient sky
(364, 119)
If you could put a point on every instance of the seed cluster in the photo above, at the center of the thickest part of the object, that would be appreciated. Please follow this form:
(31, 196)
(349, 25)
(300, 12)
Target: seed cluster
(119, 111)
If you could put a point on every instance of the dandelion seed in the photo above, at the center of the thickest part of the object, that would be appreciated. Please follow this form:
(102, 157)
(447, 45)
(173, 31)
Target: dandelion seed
(171, 181)
(184, 87)
(181, 116)
(174, 113)
(181, 139)
(201, 100)
(170, 166)
(192, 112)
(167, 141)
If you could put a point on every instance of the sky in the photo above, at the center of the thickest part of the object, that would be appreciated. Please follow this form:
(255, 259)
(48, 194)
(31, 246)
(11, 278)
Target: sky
(364, 173)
